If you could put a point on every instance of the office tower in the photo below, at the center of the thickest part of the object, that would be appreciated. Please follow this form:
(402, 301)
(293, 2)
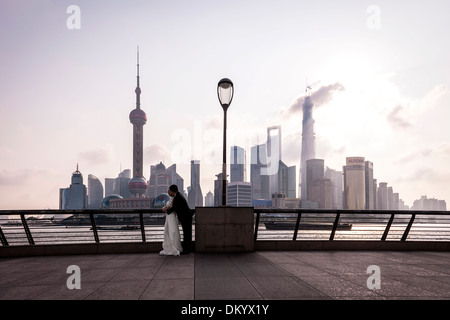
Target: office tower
(336, 177)
(258, 173)
(370, 201)
(375, 194)
(218, 190)
(382, 196)
(390, 198)
(354, 184)
(239, 194)
(209, 199)
(195, 196)
(138, 184)
(273, 153)
(161, 178)
(238, 164)
(323, 192)
(74, 197)
(308, 144)
(95, 192)
(286, 180)
(314, 171)
(121, 184)
(425, 203)
(109, 186)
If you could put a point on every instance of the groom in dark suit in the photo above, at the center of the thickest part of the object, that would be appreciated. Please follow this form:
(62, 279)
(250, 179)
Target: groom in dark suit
(181, 207)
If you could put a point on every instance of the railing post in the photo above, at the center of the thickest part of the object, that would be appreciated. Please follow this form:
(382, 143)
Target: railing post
(27, 229)
(141, 220)
(3, 238)
(94, 228)
(388, 227)
(411, 221)
(297, 224)
(336, 221)
(256, 225)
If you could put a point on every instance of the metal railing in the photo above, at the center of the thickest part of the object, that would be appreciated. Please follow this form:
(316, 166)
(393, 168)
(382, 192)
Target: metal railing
(39, 227)
(377, 225)
(30, 227)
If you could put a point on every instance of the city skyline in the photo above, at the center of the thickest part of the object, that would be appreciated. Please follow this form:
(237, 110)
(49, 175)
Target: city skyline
(67, 93)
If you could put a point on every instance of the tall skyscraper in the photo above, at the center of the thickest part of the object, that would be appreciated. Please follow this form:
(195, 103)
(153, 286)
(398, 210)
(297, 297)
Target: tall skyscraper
(370, 201)
(354, 184)
(74, 197)
(238, 164)
(308, 144)
(195, 196)
(239, 194)
(337, 179)
(259, 180)
(209, 199)
(315, 170)
(95, 192)
(382, 196)
(161, 178)
(273, 153)
(138, 184)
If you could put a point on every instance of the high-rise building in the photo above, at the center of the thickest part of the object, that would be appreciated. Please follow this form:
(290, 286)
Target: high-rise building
(425, 203)
(323, 192)
(121, 184)
(382, 196)
(370, 201)
(209, 199)
(238, 164)
(354, 184)
(161, 178)
(273, 156)
(195, 196)
(218, 184)
(138, 185)
(109, 186)
(336, 178)
(286, 180)
(95, 192)
(308, 144)
(239, 194)
(258, 173)
(314, 171)
(74, 197)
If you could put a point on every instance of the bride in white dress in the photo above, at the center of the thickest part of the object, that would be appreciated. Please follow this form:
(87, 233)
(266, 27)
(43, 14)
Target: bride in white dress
(172, 243)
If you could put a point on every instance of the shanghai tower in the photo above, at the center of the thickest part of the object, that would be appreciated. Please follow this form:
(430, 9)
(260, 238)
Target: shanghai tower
(138, 184)
(308, 143)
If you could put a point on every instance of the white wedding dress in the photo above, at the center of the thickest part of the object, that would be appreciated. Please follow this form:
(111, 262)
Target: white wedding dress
(172, 243)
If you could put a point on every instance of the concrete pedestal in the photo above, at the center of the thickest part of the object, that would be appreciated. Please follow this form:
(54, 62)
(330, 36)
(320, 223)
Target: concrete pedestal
(224, 229)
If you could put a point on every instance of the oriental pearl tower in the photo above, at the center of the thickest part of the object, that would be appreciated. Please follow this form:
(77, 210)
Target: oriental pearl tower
(138, 184)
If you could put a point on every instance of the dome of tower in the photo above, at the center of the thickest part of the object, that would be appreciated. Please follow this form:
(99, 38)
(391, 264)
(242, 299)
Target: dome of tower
(160, 200)
(137, 185)
(138, 116)
(160, 166)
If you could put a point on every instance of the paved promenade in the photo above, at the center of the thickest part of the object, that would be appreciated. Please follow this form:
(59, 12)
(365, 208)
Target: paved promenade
(257, 276)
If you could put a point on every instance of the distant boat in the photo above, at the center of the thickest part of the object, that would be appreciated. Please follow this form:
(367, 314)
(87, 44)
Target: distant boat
(118, 228)
(281, 225)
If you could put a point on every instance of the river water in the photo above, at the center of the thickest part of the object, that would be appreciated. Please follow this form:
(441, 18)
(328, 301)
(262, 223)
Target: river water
(15, 235)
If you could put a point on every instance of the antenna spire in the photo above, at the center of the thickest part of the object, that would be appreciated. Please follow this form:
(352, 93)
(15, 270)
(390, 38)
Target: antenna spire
(138, 89)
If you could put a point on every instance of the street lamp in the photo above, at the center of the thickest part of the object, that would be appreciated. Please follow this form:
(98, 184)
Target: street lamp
(225, 91)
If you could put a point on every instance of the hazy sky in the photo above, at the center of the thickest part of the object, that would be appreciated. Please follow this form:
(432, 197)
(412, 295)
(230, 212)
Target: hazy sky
(67, 85)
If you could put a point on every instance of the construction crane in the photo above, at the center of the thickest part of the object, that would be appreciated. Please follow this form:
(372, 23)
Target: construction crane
(309, 87)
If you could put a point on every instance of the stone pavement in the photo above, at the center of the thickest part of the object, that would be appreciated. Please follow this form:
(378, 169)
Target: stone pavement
(277, 275)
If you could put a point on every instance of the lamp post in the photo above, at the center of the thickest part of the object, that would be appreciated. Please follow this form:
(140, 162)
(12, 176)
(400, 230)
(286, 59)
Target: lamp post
(225, 91)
